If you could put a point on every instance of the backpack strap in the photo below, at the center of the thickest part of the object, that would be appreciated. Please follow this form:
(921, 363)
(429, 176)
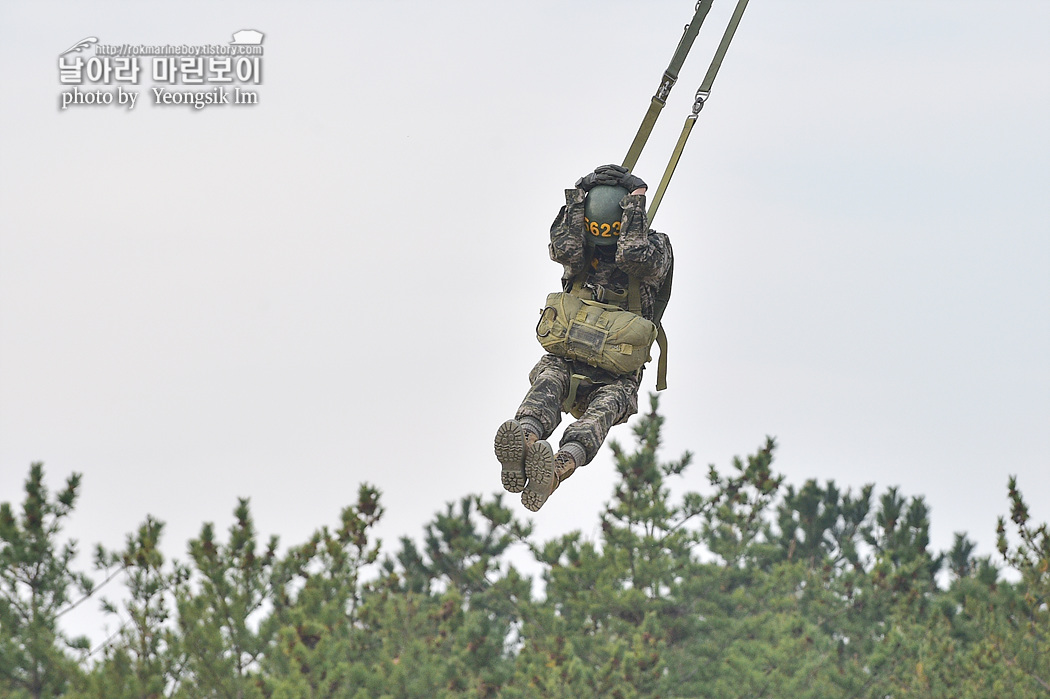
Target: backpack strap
(663, 296)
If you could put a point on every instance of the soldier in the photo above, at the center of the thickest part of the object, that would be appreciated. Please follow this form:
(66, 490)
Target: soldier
(602, 239)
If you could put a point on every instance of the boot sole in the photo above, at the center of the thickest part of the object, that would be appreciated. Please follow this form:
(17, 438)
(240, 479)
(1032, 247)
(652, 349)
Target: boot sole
(539, 469)
(510, 450)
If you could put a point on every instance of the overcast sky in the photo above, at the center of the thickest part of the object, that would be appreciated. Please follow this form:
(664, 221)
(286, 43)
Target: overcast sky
(340, 283)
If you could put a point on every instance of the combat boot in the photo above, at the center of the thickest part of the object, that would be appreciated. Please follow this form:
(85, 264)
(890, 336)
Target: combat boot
(512, 440)
(545, 472)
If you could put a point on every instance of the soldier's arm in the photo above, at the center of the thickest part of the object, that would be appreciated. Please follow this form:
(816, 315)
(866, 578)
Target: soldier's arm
(640, 251)
(567, 241)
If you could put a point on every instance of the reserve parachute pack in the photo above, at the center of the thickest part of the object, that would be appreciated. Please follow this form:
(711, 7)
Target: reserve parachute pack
(599, 334)
(592, 326)
(577, 326)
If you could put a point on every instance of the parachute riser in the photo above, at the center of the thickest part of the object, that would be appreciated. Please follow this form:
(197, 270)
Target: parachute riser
(667, 81)
(700, 100)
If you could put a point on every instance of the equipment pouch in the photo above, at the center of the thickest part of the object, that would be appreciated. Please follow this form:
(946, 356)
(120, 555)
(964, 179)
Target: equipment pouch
(599, 334)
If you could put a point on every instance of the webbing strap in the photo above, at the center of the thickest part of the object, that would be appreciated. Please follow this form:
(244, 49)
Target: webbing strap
(676, 155)
(663, 297)
(723, 46)
(581, 276)
(667, 81)
(574, 386)
(701, 97)
(634, 295)
(661, 366)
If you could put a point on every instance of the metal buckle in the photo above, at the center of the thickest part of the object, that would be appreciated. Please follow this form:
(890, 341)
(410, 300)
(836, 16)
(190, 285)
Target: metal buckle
(700, 99)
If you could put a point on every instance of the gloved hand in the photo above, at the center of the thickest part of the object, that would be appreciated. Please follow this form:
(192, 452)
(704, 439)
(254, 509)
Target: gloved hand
(593, 179)
(632, 182)
(612, 175)
(623, 176)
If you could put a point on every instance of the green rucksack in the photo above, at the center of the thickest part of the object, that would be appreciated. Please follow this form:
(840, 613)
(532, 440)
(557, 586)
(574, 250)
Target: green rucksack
(599, 334)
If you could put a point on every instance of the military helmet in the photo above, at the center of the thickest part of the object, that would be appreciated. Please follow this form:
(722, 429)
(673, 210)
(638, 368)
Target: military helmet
(602, 214)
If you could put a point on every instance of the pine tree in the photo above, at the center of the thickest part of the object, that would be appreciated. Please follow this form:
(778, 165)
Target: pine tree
(439, 620)
(1025, 650)
(824, 526)
(221, 608)
(316, 598)
(144, 658)
(37, 581)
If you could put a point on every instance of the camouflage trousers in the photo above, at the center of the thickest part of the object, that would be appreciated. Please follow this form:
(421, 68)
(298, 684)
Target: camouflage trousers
(608, 401)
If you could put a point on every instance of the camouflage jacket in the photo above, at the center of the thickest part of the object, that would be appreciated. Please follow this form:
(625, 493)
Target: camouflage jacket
(640, 251)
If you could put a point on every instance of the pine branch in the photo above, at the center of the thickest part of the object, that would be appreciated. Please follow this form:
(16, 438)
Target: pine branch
(90, 594)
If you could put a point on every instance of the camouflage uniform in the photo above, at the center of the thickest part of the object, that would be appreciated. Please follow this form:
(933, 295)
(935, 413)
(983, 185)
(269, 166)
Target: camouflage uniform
(607, 399)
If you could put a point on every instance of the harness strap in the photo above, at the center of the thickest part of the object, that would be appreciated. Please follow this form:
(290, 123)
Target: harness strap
(606, 295)
(661, 366)
(634, 295)
(601, 294)
(581, 276)
(663, 296)
(574, 384)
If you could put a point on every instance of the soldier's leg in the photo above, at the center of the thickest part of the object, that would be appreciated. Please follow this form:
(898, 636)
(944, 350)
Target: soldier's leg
(607, 405)
(536, 418)
(550, 387)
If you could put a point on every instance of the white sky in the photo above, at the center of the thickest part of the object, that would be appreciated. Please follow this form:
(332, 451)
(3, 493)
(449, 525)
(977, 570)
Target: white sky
(340, 283)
